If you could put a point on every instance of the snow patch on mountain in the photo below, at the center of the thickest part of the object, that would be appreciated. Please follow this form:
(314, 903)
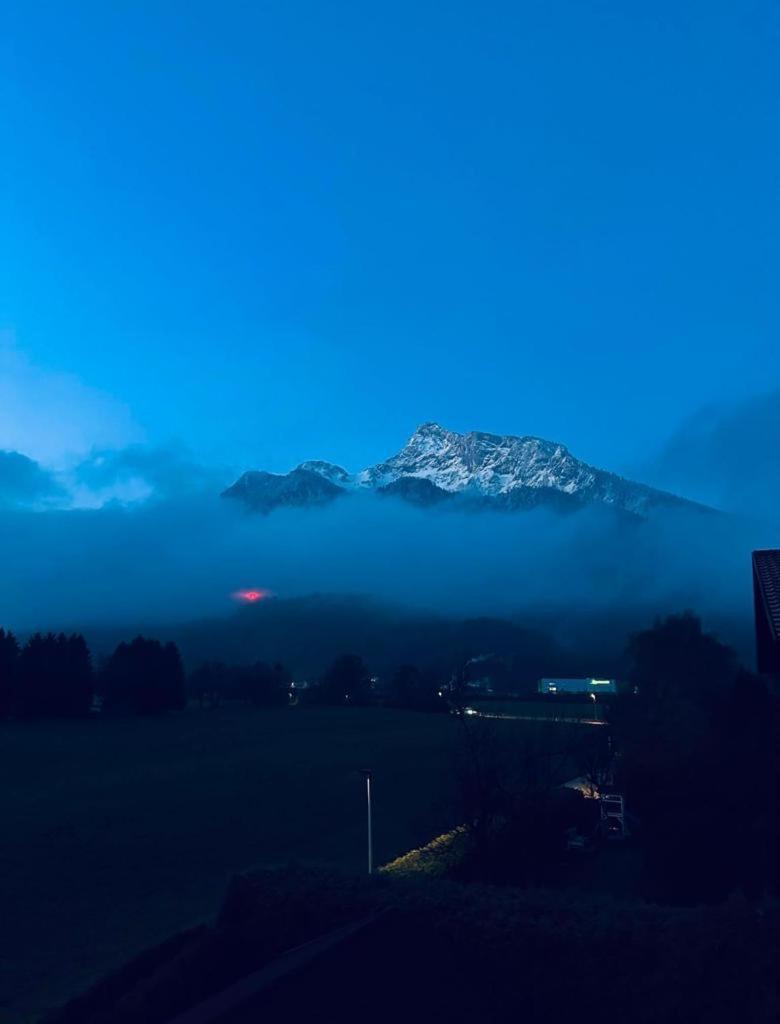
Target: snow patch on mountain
(482, 469)
(488, 463)
(328, 470)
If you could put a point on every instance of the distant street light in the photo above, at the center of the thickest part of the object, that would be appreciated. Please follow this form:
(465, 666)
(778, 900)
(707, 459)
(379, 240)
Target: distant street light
(367, 774)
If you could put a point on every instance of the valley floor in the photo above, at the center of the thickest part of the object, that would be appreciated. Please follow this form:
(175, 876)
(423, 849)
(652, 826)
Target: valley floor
(117, 833)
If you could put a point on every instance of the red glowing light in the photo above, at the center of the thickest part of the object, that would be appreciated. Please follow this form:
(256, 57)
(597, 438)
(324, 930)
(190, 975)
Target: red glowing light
(252, 596)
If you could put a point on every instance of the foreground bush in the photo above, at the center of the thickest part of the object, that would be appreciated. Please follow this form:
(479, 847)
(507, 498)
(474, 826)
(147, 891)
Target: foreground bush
(145, 677)
(440, 950)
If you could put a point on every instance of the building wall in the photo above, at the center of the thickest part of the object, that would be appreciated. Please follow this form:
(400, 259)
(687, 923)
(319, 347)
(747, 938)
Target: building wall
(597, 686)
(767, 643)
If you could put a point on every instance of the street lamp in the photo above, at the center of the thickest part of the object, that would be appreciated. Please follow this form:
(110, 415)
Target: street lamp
(367, 774)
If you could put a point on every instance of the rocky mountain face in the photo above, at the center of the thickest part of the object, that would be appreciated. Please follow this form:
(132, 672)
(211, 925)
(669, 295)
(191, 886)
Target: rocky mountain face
(263, 492)
(473, 470)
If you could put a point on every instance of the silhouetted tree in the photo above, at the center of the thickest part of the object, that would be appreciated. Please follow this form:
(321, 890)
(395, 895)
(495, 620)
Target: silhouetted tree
(677, 660)
(346, 681)
(145, 677)
(209, 683)
(9, 655)
(415, 689)
(507, 787)
(265, 685)
(260, 684)
(593, 759)
(54, 677)
(699, 766)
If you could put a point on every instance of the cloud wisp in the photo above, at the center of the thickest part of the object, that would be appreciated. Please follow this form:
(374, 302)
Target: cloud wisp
(24, 483)
(729, 456)
(54, 417)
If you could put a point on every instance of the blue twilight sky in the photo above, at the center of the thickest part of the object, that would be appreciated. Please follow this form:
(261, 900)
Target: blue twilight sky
(279, 230)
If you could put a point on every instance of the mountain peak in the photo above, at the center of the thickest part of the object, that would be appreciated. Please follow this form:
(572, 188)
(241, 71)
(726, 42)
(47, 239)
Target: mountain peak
(480, 463)
(430, 429)
(435, 432)
(480, 469)
(328, 470)
(262, 492)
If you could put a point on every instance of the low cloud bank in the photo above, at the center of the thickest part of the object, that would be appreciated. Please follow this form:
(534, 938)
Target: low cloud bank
(180, 559)
(141, 472)
(728, 456)
(24, 483)
(130, 475)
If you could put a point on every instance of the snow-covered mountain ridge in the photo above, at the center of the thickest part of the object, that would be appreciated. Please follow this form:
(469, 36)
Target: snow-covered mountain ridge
(476, 469)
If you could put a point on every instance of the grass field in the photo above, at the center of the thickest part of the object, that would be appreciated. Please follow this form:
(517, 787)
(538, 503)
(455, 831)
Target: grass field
(543, 710)
(116, 833)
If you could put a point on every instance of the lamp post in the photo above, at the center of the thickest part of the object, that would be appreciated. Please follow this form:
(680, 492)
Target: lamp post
(595, 713)
(367, 774)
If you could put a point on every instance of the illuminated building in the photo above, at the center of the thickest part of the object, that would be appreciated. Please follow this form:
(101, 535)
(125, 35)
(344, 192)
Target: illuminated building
(569, 686)
(766, 596)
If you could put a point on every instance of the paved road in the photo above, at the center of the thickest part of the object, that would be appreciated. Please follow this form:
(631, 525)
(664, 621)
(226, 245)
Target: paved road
(536, 718)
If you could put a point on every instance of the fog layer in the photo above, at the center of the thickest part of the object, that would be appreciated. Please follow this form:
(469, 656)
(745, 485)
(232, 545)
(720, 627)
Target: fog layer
(179, 559)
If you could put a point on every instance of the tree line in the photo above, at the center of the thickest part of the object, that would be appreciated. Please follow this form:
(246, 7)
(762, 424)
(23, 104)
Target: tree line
(52, 675)
(346, 682)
